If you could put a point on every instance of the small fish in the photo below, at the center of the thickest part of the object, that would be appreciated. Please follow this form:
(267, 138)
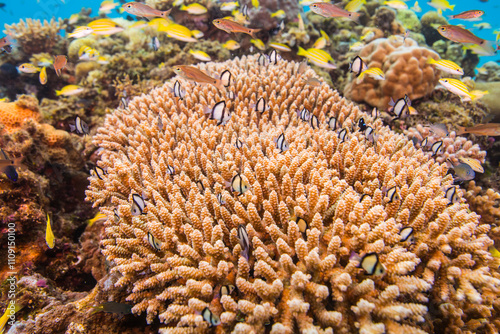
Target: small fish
(370, 134)
(8, 166)
(261, 105)
(279, 14)
(28, 68)
(154, 242)
(98, 218)
(107, 6)
(200, 186)
(357, 66)
(368, 36)
(99, 172)
(439, 129)
(424, 143)
(320, 43)
(263, 60)
(219, 112)
(227, 290)
(80, 127)
(493, 251)
(416, 8)
(314, 122)
(45, 62)
(343, 135)
(87, 53)
(74, 18)
(392, 194)
(140, 9)
(371, 264)
(374, 72)
(315, 82)
(43, 76)
(278, 29)
(231, 95)
(482, 25)
(220, 199)
(258, 44)
(238, 185)
(170, 170)
(477, 94)
(463, 172)
(407, 235)
(200, 55)
(138, 205)
(318, 57)
(178, 91)
(194, 9)
(178, 32)
(280, 47)
(396, 4)
(229, 6)
(231, 45)
(255, 3)
(489, 129)
(225, 78)
(441, 5)
(362, 124)
(9, 312)
(231, 26)
(238, 144)
(375, 113)
(208, 316)
(329, 10)
(356, 46)
(461, 35)
(104, 27)
(80, 32)
(49, 236)
(160, 123)
(281, 143)
(113, 307)
(354, 5)
(446, 66)
(332, 123)
(70, 90)
(59, 64)
(244, 241)
(437, 148)
(116, 216)
(451, 195)
(457, 87)
(304, 114)
(155, 43)
(467, 15)
(197, 33)
(274, 57)
(5, 44)
(193, 74)
(400, 108)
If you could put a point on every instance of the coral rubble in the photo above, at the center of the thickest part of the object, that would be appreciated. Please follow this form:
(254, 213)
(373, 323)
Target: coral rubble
(295, 277)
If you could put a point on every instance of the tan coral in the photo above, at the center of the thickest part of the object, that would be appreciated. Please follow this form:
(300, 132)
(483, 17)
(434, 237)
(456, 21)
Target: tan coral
(293, 281)
(405, 68)
(14, 114)
(34, 36)
(53, 136)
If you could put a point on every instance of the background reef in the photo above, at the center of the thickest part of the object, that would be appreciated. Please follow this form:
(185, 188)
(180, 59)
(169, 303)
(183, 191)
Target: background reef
(294, 279)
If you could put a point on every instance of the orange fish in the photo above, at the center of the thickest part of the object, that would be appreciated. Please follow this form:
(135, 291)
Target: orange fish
(490, 129)
(193, 74)
(59, 63)
(140, 9)
(460, 35)
(231, 26)
(5, 44)
(330, 10)
(467, 15)
(43, 76)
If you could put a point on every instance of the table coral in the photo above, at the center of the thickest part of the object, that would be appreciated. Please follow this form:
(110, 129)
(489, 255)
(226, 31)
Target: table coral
(292, 281)
(34, 36)
(406, 72)
(14, 114)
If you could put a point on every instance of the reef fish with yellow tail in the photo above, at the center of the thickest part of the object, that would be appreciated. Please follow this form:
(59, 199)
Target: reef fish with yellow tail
(318, 57)
(43, 76)
(374, 72)
(330, 10)
(28, 68)
(490, 129)
(354, 5)
(396, 4)
(80, 32)
(194, 9)
(231, 45)
(49, 236)
(178, 32)
(191, 73)
(280, 47)
(107, 6)
(104, 27)
(12, 308)
(457, 87)
(441, 5)
(200, 55)
(99, 217)
(70, 90)
(446, 66)
(140, 9)
(473, 163)
(231, 26)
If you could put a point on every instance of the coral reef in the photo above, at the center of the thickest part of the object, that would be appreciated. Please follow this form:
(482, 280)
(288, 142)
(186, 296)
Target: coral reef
(14, 114)
(296, 278)
(34, 36)
(406, 72)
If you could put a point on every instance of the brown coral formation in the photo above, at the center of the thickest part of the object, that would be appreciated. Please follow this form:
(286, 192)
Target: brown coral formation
(14, 114)
(292, 281)
(406, 72)
(34, 36)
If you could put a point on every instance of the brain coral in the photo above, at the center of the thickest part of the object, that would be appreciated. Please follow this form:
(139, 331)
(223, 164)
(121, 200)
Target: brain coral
(406, 72)
(293, 280)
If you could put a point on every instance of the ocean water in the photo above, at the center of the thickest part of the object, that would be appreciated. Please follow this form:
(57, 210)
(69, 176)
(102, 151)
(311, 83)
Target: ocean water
(14, 10)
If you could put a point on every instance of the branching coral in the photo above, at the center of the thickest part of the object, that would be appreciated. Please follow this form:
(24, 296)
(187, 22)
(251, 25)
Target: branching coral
(293, 280)
(406, 72)
(35, 37)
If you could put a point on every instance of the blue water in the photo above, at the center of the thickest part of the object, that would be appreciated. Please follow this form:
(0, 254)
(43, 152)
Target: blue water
(15, 10)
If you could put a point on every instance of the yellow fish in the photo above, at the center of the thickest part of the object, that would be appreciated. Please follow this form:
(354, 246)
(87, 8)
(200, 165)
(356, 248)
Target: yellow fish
(478, 93)
(49, 236)
(141, 24)
(396, 4)
(73, 18)
(107, 6)
(354, 5)
(446, 66)
(457, 87)
(255, 3)
(80, 32)
(493, 251)
(6, 315)
(279, 14)
(178, 32)
(194, 9)
(159, 23)
(197, 33)
(28, 68)
(231, 45)
(280, 47)
(258, 44)
(200, 55)
(473, 163)
(104, 27)
(441, 5)
(100, 217)
(320, 43)
(70, 90)
(43, 76)
(318, 57)
(229, 6)
(416, 8)
(374, 72)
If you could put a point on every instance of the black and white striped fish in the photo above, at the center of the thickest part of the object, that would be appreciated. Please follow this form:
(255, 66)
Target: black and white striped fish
(407, 235)
(138, 205)
(99, 172)
(314, 122)
(178, 90)
(209, 317)
(332, 123)
(226, 78)
(281, 143)
(274, 57)
(80, 127)
(155, 243)
(437, 148)
(244, 241)
(451, 195)
(304, 114)
(219, 112)
(357, 66)
(170, 170)
(261, 105)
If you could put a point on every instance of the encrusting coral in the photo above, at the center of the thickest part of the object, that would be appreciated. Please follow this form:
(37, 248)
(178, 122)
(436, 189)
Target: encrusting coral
(35, 37)
(295, 277)
(406, 71)
(14, 114)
